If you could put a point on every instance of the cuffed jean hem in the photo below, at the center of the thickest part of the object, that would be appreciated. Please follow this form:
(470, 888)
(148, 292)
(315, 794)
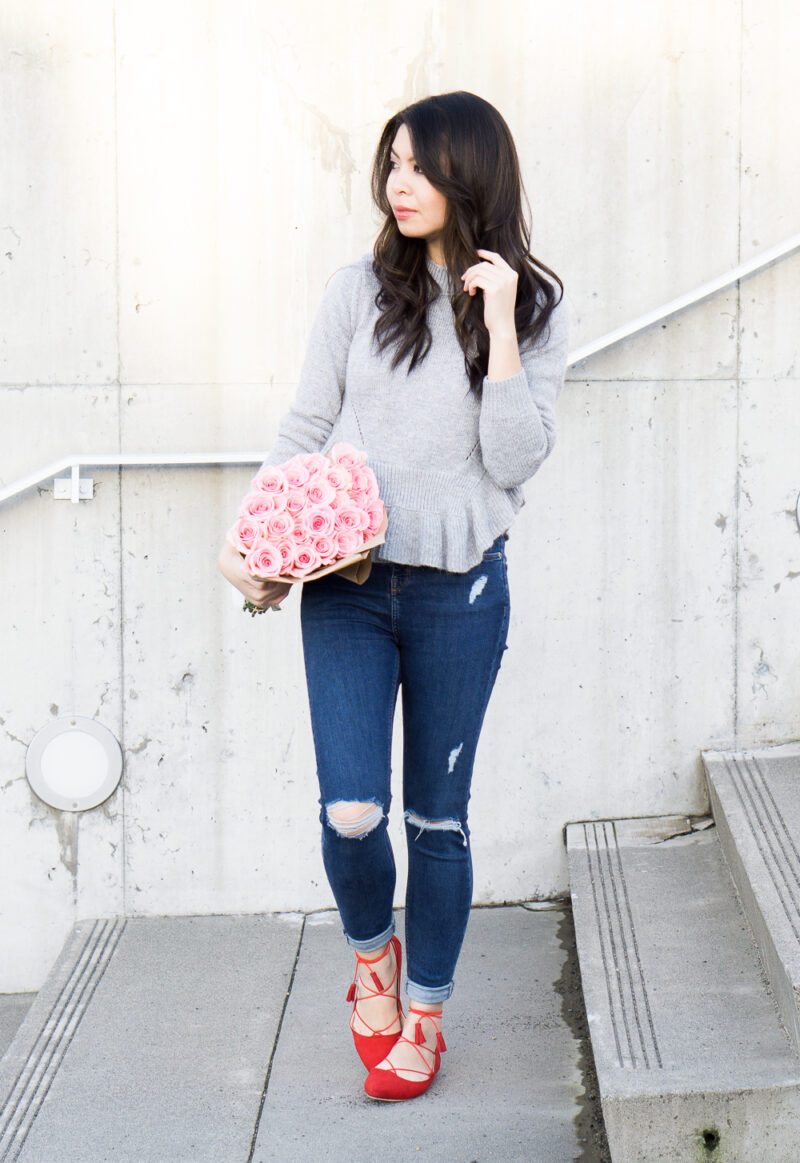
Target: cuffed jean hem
(428, 994)
(373, 942)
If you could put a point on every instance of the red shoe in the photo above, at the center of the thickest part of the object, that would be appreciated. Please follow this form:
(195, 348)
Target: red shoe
(373, 1048)
(388, 1085)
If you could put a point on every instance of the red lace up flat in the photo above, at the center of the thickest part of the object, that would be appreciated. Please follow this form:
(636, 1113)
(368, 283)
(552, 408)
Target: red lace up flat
(388, 1085)
(372, 1048)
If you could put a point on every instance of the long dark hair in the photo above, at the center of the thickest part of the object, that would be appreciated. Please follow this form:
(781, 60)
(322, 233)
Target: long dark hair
(465, 149)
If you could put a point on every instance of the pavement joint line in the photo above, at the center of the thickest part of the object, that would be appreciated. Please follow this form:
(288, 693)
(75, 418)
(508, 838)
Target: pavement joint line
(256, 1128)
(56, 1036)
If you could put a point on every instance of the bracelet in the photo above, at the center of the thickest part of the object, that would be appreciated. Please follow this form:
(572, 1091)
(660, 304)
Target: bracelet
(252, 610)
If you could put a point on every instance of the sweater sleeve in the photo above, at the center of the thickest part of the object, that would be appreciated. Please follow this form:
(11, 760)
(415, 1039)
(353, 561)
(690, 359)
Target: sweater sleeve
(517, 422)
(318, 399)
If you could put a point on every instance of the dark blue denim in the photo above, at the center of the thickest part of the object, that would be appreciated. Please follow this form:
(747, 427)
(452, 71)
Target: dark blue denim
(441, 635)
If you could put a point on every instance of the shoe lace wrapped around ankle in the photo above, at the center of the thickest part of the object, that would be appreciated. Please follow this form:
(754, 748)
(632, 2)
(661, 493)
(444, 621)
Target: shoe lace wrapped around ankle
(419, 1041)
(379, 989)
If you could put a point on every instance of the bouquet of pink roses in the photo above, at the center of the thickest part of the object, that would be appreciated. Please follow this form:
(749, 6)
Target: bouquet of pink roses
(310, 516)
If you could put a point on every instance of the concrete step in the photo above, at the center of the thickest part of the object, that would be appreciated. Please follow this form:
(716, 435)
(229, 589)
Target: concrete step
(692, 1059)
(225, 1040)
(755, 797)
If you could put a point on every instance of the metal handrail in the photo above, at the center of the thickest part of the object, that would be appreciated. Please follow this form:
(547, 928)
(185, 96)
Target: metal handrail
(757, 263)
(121, 460)
(74, 463)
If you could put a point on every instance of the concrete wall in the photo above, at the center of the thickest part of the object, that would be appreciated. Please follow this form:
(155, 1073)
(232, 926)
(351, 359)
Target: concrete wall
(179, 180)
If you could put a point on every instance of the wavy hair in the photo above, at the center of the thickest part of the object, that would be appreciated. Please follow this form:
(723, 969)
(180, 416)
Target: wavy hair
(465, 149)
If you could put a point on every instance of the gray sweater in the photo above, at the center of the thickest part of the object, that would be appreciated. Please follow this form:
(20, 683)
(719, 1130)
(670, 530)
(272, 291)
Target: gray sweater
(449, 464)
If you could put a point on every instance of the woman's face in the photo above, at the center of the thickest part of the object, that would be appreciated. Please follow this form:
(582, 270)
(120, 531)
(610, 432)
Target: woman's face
(419, 208)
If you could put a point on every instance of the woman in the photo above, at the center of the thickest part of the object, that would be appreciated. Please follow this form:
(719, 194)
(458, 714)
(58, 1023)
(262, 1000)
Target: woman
(441, 356)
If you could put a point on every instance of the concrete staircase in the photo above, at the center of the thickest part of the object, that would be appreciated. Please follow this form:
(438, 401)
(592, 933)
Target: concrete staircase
(188, 1040)
(688, 936)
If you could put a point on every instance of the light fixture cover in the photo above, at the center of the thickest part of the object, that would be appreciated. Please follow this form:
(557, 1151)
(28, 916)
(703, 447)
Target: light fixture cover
(73, 763)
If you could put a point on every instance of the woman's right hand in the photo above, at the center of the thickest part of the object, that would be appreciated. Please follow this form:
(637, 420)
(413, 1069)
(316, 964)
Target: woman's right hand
(260, 593)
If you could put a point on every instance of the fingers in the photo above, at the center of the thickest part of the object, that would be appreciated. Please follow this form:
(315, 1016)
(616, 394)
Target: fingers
(492, 260)
(493, 256)
(278, 591)
(270, 594)
(263, 593)
(494, 272)
(498, 282)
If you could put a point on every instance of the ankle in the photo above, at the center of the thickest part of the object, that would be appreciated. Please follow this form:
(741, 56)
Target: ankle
(426, 1025)
(373, 955)
(378, 969)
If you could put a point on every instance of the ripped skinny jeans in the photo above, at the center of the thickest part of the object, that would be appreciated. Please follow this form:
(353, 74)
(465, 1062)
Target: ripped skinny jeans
(441, 636)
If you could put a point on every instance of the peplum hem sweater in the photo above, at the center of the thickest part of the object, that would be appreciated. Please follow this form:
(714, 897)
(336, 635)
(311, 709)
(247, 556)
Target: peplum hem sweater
(450, 464)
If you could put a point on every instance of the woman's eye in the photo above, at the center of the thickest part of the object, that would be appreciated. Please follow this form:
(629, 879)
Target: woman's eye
(418, 170)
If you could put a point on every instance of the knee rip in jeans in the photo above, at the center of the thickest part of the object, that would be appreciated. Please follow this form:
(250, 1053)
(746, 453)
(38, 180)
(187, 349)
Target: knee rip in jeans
(353, 820)
(434, 825)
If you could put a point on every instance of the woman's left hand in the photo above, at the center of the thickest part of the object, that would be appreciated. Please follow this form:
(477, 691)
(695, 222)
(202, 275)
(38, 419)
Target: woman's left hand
(498, 281)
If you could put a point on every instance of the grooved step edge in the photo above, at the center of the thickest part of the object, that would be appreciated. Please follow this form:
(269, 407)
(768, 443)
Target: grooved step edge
(756, 800)
(34, 1077)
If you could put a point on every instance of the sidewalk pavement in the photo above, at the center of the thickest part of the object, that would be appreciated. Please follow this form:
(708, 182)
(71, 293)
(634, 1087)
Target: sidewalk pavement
(225, 1040)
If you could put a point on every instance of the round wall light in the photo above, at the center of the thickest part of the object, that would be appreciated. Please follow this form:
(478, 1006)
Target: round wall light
(73, 764)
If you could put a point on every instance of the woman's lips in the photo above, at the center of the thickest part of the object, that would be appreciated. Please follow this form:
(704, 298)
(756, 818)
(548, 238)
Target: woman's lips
(403, 212)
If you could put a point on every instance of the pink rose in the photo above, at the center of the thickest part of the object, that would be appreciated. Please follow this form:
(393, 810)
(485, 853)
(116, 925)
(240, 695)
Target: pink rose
(295, 501)
(286, 549)
(363, 478)
(351, 517)
(318, 521)
(347, 456)
(257, 505)
(263, 560)
(320, 492)
(375, 514)
(243, 533)
(372, 484)
(300, 534)
(348, 541)
(278, 525)
(296, 472)
(316, 463)
(306, 559)
(270, 480)
(327, 549)
(359, 499)
(338, 476)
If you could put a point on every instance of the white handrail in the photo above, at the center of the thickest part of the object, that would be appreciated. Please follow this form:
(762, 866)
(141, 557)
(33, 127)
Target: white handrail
(162, 460)
(122, 459)
(765, 259)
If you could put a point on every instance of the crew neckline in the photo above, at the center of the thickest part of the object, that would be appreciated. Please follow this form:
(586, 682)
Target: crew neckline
(439, 273)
